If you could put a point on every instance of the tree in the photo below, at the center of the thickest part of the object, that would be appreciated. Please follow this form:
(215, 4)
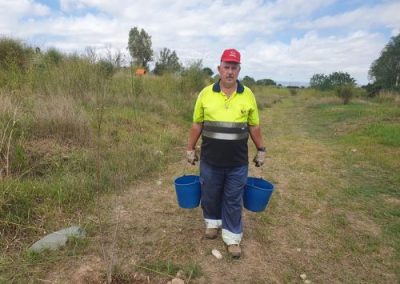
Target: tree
(385, 71)
(319, 81)
(248, 81)
(208, 71)
(139, 46)
(168, 62)
(341, 79)
(266, 82)
(331, 81)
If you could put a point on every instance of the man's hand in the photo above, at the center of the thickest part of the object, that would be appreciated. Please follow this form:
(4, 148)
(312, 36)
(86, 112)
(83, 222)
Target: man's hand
(259, 158)
(191, 156)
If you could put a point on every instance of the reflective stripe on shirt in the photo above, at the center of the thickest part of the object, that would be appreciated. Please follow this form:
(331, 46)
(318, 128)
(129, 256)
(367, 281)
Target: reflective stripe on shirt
(225, 130)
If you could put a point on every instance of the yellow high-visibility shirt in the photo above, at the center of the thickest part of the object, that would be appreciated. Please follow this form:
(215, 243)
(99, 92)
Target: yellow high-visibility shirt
(213, 105)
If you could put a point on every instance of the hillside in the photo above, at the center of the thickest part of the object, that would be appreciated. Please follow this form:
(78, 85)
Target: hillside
(334, 215)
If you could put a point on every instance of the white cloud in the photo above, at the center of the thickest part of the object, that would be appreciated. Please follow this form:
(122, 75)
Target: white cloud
(386, 14)
(202, 29)
(12, 11)
(303, 57)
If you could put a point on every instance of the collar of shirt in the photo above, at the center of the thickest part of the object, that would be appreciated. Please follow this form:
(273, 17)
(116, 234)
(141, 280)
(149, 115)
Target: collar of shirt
(239, 88)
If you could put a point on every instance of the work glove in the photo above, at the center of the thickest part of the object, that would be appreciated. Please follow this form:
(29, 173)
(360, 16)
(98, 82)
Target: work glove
(191, 156)
(259, 158)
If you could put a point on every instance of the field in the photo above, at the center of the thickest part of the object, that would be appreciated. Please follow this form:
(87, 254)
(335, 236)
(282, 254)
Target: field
(104, 154)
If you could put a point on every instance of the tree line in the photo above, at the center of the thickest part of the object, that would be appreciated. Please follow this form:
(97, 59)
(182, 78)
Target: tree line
(141, 52)
(384, 73)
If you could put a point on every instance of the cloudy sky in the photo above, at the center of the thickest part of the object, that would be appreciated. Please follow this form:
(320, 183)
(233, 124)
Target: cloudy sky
(286, 40)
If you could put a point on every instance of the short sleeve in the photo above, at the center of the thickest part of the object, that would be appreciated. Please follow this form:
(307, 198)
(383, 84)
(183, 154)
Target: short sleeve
(198, 113)
(253, 118)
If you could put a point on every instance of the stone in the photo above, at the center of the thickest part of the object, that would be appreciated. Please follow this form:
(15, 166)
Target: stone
(57, 239)
(216, 253)
(303, 276)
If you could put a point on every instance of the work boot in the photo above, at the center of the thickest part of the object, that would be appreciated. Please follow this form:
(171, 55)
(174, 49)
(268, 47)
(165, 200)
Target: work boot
(211, 233)
(234, 250)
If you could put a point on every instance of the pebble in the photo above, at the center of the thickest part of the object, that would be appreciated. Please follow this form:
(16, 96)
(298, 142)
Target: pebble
(303, 276)
(307, 281)
(216, 253)
(298, 249)
(159, 182)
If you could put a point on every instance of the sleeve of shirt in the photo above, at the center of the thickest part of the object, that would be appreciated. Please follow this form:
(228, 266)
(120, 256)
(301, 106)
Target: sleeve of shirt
(198, 113)
(253, 118)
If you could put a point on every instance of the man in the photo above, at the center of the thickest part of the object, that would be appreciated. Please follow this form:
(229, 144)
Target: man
(224, 114)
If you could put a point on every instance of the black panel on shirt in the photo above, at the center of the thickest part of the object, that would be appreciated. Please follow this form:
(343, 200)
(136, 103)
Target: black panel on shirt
(224, 153)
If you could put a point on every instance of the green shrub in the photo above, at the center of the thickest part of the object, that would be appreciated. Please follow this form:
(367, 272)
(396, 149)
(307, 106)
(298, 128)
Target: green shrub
(14, 53)
(345, 92)
(193, 78)
(293, 91)
(53, 56)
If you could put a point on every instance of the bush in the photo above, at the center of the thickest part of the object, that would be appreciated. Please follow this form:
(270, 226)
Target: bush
(14, 53)
(53, 56)
(345, 92)
(193, 78)
(293, 90)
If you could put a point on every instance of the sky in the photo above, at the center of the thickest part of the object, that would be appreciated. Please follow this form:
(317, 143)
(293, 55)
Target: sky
(284, 40)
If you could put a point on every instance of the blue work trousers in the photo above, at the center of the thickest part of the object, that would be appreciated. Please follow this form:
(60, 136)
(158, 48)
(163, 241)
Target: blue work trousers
(221, 199)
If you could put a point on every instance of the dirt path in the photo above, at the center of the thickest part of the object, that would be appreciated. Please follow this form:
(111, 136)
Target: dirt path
(143, 227)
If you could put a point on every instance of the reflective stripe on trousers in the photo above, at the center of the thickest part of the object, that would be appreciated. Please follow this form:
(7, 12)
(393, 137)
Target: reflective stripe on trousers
(225, 130)
(221, 199)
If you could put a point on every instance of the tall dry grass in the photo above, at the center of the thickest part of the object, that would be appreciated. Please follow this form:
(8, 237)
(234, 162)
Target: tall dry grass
(62, 118)
(388, 97)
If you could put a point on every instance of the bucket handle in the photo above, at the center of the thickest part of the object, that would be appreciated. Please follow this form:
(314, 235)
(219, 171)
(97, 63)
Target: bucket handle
(260, 172)
(184, 167)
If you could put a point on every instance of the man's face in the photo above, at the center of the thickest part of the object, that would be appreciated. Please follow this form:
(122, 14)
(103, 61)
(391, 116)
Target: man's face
(228, 72)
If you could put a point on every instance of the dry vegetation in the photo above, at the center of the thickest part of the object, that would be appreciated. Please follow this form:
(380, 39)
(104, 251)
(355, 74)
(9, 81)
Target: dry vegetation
(80, 146)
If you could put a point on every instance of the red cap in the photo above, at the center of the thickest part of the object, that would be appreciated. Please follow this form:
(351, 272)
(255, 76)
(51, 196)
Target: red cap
(231, 55)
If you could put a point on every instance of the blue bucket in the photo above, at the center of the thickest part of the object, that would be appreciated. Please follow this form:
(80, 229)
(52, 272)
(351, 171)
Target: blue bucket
(257, 193)
(188, 191)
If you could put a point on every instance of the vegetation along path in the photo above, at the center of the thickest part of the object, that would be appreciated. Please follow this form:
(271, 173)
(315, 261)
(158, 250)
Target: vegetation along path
(334, 216)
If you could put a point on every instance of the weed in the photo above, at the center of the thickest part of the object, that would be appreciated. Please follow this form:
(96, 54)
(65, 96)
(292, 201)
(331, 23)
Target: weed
(168, 268)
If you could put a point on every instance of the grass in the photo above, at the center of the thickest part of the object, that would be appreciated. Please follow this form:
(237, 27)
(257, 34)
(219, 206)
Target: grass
(366, 144)
(70, 133)
(86, 148)
(337, 186)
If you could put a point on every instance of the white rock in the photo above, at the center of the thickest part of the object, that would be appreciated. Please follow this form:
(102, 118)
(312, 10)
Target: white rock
(298, 249)
(57, 239)
(307, 281)
(216, 253)
(303, 276)
(159, 182)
